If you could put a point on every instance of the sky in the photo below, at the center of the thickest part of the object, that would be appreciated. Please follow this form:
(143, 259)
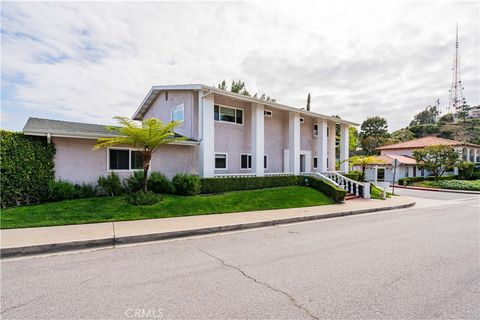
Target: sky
(90, 61)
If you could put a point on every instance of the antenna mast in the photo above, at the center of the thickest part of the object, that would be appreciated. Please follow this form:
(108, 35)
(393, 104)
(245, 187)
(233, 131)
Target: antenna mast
(456, 90)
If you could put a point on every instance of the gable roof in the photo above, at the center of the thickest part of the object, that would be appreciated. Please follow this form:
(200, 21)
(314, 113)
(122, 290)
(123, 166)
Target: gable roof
(68, 129)
(155, 91)
(425, 142)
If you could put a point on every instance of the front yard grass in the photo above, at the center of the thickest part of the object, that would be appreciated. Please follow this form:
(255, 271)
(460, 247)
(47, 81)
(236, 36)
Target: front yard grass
(104, 209)
(473, 185)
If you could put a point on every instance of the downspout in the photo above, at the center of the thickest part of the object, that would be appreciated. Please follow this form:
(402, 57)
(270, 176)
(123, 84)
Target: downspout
(49, 138)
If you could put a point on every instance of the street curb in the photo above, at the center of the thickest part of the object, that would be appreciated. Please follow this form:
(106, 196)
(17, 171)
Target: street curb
(110, 242)
(438, 190)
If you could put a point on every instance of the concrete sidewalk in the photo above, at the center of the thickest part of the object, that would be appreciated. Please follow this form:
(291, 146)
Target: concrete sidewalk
(27, 241)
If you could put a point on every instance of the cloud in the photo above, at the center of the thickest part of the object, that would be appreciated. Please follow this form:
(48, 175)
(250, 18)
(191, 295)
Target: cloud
(90, 61)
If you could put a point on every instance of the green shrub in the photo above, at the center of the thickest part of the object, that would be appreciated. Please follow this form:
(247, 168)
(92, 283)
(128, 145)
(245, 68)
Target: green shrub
(61, 190)
(354, 175)
(327, 188)
(110, 184)
(159, 183)
(85, 190)
(187, 184)
(465, 171)
(220, 185)
(141, 198)
(134, 183)
(473, 185)
(26, 165)
(411, 180)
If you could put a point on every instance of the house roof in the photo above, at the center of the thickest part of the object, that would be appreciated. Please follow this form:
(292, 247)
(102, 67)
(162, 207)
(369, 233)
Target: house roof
(68, 129)
(155, 91)
(424, 142)
(388, 160)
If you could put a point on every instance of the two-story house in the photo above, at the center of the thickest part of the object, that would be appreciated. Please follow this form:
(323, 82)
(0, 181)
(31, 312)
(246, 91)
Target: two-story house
(228, 134)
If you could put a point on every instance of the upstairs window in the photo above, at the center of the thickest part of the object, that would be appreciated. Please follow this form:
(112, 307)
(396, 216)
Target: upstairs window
(178, 113)
(315, 130)
(227, 114)
(268, 113)
(302, 120)
(124, 159)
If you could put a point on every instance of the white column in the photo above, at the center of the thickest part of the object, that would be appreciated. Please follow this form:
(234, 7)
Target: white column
(207, 136)
(475, 155)
(322, 145)
(258, 139)
(331, 146)
(468, 154)
(344, 147)
(294, 142)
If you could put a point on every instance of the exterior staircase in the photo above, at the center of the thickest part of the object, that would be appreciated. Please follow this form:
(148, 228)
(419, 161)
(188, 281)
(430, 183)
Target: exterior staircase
(351, 196)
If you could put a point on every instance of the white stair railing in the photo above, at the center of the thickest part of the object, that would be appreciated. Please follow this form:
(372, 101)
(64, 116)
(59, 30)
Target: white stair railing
(349, 185)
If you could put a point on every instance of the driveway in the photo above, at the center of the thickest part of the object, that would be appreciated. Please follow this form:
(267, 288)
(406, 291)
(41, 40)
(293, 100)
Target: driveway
(416, 263)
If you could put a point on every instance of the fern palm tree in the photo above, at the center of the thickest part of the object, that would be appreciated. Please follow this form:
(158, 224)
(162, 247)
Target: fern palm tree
(145, 138)
(363, 162)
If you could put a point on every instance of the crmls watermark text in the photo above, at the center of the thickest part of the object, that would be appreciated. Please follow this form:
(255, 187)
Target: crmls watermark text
(144, 313)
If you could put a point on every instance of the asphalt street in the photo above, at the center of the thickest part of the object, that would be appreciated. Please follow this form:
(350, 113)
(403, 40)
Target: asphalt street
(415, 263)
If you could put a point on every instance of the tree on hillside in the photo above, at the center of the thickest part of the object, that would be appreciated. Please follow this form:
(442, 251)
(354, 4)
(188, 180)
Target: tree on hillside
(437, 159)
(462, 112)
(374, 127)
(145, 138)
(308, 102)
(427, 116)
(222, 85)
(369, 144)
(447, 118)
(239, 87)
(401, 135)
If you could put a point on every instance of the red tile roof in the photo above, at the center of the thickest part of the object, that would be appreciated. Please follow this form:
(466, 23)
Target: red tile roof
(388, 160)
(424, 142)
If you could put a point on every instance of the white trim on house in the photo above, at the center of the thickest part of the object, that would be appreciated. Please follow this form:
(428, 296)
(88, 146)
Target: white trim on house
(226, 160)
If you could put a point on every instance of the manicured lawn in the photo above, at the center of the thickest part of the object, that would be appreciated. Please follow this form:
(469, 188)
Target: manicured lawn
(117, 209)
(452, 184)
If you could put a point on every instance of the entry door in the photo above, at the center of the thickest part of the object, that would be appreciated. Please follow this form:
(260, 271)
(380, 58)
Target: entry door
(302, 163)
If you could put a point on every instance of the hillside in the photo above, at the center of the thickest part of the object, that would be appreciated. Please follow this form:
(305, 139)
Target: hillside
(468, 131)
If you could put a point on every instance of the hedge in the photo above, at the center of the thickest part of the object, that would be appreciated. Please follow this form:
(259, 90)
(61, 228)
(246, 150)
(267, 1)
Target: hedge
(409, 181)
(26, 166)
(353, 175)
(219, 185)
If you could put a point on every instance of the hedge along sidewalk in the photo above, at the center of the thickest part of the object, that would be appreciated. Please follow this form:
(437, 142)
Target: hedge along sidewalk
(437, 189)
(28, 241)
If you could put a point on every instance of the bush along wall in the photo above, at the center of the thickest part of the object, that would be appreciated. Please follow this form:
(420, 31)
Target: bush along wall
(411, 180)
(26, 167)
(219, 185)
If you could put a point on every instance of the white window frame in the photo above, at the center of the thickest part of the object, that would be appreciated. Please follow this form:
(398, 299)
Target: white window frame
(384, 174)
(302, 120)
(249, 159)
(226, 160)
(178, 107)
(229, 107)
(129, 160)
(313, 164)
(268, 113)
(265, 167)
(315, 135)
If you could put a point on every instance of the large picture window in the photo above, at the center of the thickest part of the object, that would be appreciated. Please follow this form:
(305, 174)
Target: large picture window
(124, 159)
(227, 114)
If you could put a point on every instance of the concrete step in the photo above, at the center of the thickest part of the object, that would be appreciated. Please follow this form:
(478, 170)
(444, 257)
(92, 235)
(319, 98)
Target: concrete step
(351, 196)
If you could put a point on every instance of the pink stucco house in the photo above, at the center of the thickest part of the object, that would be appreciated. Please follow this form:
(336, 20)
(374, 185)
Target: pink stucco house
(228, 134)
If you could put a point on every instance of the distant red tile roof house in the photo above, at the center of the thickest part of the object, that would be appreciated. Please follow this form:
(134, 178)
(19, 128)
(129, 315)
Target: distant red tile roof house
(388, 159)
(425, 142)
